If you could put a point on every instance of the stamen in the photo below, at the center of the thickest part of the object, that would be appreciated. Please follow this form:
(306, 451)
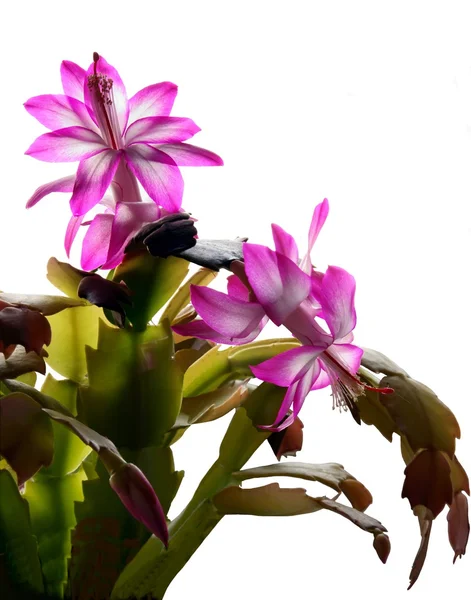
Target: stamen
(101, 88)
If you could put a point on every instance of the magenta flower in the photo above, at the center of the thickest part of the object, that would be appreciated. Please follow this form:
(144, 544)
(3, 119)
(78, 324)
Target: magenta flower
(115, 140)
(289, 292)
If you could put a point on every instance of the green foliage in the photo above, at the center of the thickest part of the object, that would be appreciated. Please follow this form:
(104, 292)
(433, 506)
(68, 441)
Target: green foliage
(18, 545)
(133, 375)
(152, 282)
(72, 331)
(51, 501)
(219, 366)
(69, 450)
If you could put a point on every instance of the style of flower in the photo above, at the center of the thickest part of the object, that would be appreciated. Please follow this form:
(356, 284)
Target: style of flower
(290, 292)
(115, 140)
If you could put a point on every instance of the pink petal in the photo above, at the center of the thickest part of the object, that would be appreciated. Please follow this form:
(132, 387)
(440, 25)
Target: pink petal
(230, 317)
(186, 155)
(153, 101)
(322, 380)
(160, 130)
(347, 355)
(59, 111)
(303, 325)
(65, 184)
(120, 98)
(94, 175)
(236, 289)
(284, 243)
(318, 219)
(336, 297)
(129, 218)
(73, 79)
(199, 329)
(279, 285)
(66, 145)
(158, 174)
(71, 232)
(96, 242)
(286, 368)
(294, 399)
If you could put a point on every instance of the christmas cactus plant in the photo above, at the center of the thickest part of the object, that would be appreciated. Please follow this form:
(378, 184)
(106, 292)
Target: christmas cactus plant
(137, 347)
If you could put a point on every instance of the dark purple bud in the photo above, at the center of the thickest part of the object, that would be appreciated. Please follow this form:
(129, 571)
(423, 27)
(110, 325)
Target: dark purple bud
(168, 236)
(106, 294)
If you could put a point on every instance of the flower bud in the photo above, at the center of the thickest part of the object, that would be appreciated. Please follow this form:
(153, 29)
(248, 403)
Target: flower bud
(289, 441)
(170, 235)
(138, 496)
(106, 294)
(382, 545)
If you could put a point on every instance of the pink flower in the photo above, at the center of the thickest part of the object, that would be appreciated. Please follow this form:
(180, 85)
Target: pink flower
(289, 292)
(115, 140)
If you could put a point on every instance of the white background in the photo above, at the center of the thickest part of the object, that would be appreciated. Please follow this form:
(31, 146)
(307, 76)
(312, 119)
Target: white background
(368, 104)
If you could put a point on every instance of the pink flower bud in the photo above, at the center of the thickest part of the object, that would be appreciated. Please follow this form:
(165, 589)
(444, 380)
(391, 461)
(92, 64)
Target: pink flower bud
(138, 496)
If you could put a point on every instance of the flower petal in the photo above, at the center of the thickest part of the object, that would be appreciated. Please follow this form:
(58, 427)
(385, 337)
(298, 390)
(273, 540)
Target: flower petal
(129, 218)
(336, 296)
(94, 175)
(120, 98)
(158, 174)
(65, 184)
(96, 241)
(199, 329)
(73, 78)
(348, 356)
(227, 315)
(284, 243)
(294, 399)
(56, 111)
(66, 145)
(236, 289)
(286, 368)
(279, 285)
(153, 101)
(186, 155)
(318, 219)
(71, 232)
(160, 130)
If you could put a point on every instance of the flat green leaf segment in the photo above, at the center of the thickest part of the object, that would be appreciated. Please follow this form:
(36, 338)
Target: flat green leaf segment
(219, 366)
(52, 501)
(72, 331)
(18, 545)
(20, 363)
(133, 375)
(106, 534)
(273, 501)
(48, 305)
(69, 449)
(152, 281)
